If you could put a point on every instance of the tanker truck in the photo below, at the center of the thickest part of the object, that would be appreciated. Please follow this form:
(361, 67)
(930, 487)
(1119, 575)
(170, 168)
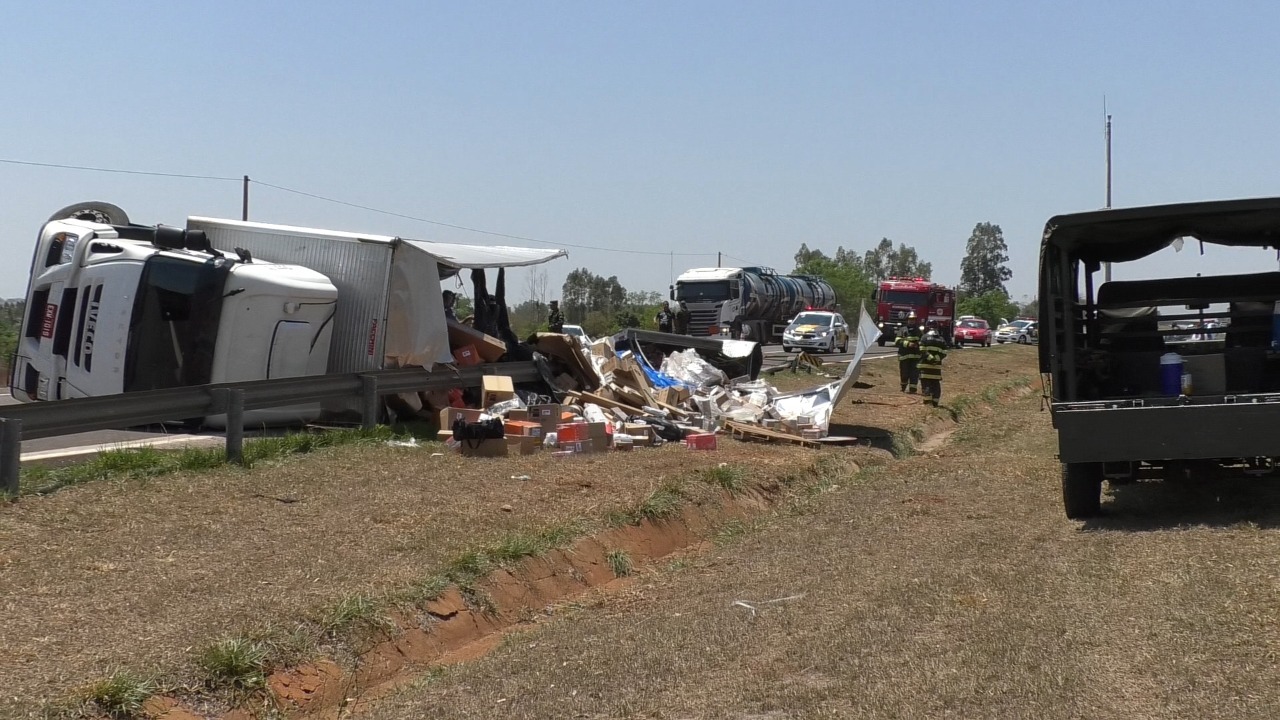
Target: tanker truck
(755, 302)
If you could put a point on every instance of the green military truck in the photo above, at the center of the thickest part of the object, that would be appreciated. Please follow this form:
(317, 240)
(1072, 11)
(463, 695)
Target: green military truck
(1108, 349)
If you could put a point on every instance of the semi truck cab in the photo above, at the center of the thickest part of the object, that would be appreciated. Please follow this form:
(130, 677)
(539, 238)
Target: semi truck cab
(116, 308)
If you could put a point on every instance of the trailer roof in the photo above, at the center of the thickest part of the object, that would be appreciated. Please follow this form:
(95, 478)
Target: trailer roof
(481, 256)
(1126, 234)
(454, 255)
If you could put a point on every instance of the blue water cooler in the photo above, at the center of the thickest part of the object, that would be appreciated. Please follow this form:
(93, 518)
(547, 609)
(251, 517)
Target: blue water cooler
(1171, 374)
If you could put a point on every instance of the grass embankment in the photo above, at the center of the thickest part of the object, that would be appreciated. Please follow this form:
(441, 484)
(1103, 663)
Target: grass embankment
(149, 575)
(945, 585)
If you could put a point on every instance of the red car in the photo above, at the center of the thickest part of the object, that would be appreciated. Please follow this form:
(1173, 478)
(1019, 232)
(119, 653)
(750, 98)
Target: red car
(973, 330)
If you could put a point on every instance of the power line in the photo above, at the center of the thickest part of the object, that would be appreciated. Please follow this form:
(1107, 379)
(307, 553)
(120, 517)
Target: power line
(464, 227)
(116, 170)
(336, 201)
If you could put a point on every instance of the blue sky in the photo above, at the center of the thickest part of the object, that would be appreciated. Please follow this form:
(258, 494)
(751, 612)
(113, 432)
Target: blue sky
(685, 127)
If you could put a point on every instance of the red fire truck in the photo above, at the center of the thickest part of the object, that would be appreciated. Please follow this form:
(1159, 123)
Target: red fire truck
(900, 300)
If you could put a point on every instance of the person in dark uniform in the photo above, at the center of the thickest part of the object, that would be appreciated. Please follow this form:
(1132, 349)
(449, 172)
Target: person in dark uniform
(932, 351)
(909, 358)
(555, 319)
(682, 319)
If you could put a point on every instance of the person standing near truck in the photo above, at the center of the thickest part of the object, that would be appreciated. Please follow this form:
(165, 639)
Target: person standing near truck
(908, 358)
(665, 318)
(932, 351)
(555, 319)
(682, 319)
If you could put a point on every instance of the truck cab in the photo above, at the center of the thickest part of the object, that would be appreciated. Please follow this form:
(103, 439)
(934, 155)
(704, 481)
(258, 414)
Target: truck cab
(116, 308)
(713, 296)
(902, 301)
(1135, 393)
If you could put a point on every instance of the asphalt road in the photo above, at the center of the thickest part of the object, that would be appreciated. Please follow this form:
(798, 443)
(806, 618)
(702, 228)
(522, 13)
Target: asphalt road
(91, 439)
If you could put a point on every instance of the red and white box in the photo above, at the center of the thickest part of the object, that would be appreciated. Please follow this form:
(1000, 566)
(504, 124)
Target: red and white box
(700, 441)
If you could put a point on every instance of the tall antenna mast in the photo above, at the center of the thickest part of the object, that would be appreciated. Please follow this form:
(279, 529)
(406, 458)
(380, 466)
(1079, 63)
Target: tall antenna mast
(1106, 267)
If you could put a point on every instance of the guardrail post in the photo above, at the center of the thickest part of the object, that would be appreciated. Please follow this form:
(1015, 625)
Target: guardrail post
(10, 456)
(369, 401)
(233, 399)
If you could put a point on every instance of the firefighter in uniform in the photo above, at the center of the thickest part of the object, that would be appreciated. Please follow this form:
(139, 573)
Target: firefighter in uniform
(932, 350)
(908, 357)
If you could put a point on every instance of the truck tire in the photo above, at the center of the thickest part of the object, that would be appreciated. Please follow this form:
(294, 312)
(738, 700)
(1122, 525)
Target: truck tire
(1082, 489)
(880, 341)
(93, 210)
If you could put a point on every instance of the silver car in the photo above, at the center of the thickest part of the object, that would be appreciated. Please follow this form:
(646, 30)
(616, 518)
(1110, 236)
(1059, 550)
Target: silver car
(1019, 331)
(817, 330)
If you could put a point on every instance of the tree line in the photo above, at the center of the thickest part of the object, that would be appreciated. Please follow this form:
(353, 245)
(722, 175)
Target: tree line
(983, 273)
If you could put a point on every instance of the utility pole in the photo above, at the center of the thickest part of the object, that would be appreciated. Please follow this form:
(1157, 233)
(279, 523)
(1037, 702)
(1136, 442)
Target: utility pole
(244, 207)
(717, 258)
(1106, 267)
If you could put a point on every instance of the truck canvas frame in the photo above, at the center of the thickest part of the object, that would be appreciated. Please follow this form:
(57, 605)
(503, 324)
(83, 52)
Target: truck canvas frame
(1101, 348)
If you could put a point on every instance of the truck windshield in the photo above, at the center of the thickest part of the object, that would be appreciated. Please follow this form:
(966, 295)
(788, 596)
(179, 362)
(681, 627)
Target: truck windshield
(903, 297)
(174, 323)
(706, 291)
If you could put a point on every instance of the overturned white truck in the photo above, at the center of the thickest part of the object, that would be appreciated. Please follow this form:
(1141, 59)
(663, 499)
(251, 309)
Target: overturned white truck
(1132, 394)
(114, 306)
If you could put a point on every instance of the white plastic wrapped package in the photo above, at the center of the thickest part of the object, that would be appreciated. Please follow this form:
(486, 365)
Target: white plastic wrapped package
(816, 404)
(502, 408)
(689, 368)
(592, 413)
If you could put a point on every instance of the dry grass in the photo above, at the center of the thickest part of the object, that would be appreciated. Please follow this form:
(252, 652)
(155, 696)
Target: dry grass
(136, 573)
(948, 585)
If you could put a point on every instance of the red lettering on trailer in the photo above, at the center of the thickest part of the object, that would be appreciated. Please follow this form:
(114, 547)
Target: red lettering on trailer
(50, 319)
(373, 337)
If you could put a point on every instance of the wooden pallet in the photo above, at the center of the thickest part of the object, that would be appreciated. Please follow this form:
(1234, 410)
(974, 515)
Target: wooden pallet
(743, 431)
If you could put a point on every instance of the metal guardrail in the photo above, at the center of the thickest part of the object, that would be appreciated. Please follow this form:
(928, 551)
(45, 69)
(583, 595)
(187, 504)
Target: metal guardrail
(111, 412)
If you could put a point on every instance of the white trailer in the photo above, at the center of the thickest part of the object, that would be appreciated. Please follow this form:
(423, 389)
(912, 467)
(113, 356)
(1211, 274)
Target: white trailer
(116, 307)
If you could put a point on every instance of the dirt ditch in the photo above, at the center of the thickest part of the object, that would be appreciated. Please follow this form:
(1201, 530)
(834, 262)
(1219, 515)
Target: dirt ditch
(454, 627)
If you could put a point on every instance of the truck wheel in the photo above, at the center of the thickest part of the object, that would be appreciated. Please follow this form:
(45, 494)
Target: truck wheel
(880, 341)
(1082, 489)
(93, 211)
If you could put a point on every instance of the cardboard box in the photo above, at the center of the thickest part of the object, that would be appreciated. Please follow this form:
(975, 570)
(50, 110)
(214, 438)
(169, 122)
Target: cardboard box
(466, 356)
(524, 444)
(520, 414)
(496, 388)
(547, 415)
(622, 443)
(598, 431)
(566, 349)
(673, 395)
(450, 414)
(701, 441)
(488, 448)
(577, 446)
(572, 432)
(489, 348)
(524, 428)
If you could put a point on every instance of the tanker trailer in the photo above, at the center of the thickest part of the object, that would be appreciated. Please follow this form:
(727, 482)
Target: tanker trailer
(754, 303)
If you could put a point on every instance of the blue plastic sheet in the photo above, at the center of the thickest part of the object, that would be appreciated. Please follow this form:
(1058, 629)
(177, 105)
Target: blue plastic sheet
(657, 379)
